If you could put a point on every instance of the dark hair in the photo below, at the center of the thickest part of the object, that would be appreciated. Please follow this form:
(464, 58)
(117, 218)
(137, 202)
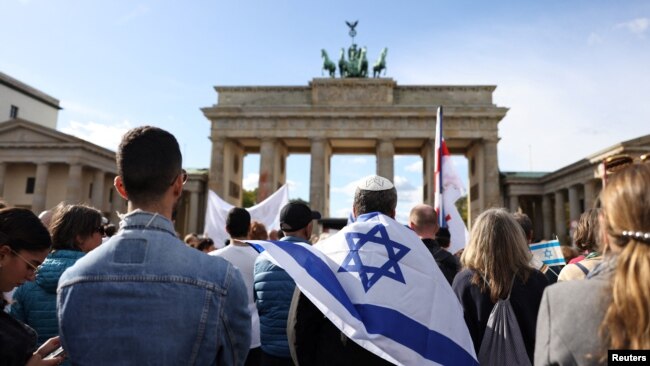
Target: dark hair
(375, 201)
(204, 243)
(110, 230)
(525, 223)
(443, 237)
(148, 160)
(238, 222)
(586, 235)
(70, 221)
(20, 229)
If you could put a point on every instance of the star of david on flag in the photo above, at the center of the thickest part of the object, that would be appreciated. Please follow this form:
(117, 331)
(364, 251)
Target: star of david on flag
(378, 236)
(549, 252)
(376, 281)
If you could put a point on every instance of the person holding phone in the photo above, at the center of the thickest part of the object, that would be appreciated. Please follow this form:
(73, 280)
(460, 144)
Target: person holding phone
(24, 244)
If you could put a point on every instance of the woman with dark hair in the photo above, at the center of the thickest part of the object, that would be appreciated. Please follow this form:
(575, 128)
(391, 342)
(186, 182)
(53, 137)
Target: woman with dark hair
(76, 230)
(24, 244)
(586, 239)
(610, 310)
(496, 262)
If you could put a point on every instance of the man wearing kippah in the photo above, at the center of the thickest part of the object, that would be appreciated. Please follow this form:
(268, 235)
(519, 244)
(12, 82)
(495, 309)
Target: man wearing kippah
(314, 339)
(274, 287)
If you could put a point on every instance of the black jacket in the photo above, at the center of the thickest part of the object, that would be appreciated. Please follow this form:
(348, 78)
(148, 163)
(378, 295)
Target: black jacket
(477, 305)
(446, 261)
(17, 341)
(316, 341)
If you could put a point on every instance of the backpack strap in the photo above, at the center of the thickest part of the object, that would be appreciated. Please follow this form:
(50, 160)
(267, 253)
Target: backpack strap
(584, 269)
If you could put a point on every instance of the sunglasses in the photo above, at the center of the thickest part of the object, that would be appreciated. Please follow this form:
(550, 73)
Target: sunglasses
(183, 175)
(31, 265)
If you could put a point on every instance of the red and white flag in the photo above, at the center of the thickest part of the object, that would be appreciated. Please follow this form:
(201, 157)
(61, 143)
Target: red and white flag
(448, 188)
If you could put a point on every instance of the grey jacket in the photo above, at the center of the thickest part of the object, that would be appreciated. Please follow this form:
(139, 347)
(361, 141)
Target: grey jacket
(569, 320)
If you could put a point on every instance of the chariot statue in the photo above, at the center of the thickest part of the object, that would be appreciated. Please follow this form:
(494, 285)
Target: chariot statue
(356, 64)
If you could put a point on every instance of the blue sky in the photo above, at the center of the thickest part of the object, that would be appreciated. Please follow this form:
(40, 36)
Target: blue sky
(573, 73)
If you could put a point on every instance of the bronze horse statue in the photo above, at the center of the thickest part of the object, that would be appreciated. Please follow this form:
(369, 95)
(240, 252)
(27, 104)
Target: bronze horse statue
(328, 64)
(380, 64)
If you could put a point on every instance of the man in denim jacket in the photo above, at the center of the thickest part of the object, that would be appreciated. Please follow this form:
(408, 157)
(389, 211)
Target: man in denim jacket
(144, 297)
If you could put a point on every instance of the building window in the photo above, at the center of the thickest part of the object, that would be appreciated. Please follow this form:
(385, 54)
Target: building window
(90, 191)
(13, 113)
(110, 196)
(29, 187)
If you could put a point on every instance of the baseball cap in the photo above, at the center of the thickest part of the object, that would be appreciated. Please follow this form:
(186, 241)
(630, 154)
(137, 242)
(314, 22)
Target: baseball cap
(295, 216)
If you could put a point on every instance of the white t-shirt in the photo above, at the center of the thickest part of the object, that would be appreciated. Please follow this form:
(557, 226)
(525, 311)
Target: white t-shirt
(243, 257)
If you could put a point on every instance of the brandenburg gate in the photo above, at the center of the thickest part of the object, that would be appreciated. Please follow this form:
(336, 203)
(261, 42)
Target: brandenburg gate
(351, 116)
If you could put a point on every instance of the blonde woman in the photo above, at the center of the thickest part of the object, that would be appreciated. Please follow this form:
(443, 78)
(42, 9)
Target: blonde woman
(495, 264)
(580, 320)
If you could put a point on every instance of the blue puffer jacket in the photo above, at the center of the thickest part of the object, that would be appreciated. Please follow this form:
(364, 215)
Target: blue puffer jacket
(35, 302)
(273, 292)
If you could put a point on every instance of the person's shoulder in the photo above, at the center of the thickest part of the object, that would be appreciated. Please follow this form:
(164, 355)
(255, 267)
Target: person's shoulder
(463, 278)
(576, 289)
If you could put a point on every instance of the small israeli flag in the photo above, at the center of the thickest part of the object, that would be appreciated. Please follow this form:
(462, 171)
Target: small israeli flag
(549, 252)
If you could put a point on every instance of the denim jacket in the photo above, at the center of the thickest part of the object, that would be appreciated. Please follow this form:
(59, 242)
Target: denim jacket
(145, 298)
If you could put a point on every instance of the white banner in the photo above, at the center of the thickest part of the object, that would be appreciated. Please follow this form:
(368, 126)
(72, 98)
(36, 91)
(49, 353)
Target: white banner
(267, 212)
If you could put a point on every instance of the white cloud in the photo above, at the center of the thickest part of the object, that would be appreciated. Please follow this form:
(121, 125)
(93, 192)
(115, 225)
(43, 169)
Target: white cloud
(414, 167)
(251, 181)
(636, 26)
(139, 11)
(82, 111)
(348, 189)
(105, 135)
(594, 39)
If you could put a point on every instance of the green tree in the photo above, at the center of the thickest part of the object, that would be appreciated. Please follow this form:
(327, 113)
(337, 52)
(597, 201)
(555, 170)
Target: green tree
(461, 205)
(249, 198)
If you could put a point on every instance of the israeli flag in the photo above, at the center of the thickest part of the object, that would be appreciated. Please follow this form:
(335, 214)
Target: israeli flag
(376, 281)
(549, 252)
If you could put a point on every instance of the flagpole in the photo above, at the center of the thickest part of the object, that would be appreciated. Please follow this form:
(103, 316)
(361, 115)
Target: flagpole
(438, 169)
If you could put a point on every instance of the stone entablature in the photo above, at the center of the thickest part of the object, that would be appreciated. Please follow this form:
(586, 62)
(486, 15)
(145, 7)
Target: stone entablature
(351, 116)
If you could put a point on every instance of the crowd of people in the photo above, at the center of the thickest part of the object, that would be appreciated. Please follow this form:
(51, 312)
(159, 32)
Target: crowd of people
(144, 296)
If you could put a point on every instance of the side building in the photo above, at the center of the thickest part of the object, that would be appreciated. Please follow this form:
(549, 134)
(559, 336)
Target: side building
(555, 200)
(40, 166)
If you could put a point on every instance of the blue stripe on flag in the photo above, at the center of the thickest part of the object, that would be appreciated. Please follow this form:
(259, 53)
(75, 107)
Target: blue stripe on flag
(550, 244)
(388, 322)
(554, 261)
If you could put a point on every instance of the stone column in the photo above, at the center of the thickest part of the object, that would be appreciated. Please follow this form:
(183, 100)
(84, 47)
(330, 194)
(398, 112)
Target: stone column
(266, 185)
(317, 183)
(193, 214)
(560, 216)
(491, 174)
(40, 188)
(514, 203)
(574, 204)
(73, 194)
(3, 169)
(590, 193)
(428, 167)
(98, 190)
(547, 216)
(216, 182)
(385, 154)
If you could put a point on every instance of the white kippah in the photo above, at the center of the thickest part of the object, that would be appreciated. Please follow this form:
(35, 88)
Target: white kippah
(374, 183)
